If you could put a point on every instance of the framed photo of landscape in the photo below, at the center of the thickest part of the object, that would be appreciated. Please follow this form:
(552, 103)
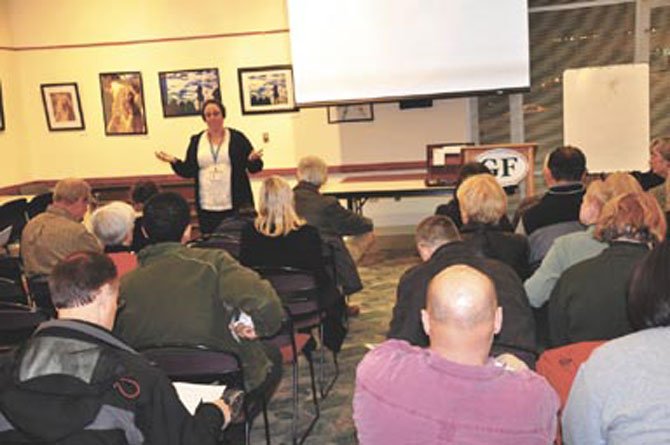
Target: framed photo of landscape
(123, 103)
(266, 89)
(183, 92)
(62, 106)
(350, 113)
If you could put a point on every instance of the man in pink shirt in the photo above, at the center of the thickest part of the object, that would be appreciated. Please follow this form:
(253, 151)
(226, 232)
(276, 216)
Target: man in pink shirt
(453, 392)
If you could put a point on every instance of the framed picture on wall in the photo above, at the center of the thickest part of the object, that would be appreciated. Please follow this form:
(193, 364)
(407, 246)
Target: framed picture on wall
(266, 89)
(183, 92)
(62, 106)
(123, 103)
(350, 113)
(2, 112)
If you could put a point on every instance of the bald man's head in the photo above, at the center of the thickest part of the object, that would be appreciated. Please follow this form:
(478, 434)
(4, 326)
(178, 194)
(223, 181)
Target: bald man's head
(462, 297)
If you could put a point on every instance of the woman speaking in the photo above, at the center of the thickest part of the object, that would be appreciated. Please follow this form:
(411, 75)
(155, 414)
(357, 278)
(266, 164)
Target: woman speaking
(218, 158)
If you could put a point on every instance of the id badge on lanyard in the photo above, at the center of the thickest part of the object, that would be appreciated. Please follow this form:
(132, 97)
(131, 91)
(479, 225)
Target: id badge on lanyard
(217, 177)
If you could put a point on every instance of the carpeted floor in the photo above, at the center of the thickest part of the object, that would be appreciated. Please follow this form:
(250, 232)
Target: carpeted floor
(380, 269)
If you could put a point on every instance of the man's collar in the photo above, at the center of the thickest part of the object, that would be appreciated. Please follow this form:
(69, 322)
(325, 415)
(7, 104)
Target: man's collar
(61, 211)
(86, 328)
(566, 188)
(454, 248)
(308, 186)
(158, 249)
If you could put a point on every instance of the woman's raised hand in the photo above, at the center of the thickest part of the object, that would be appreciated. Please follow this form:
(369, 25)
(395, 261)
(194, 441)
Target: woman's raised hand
(165, 157)
(254, 155)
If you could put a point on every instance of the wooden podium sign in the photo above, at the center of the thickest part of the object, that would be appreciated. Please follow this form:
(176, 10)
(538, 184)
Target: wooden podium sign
(443, 162)
(512, 164)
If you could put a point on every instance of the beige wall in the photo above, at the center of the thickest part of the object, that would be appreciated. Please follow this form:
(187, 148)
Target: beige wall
(13, 160)
(36, 153)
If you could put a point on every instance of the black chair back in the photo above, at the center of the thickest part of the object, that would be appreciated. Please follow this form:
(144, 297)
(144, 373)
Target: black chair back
(228, 243)
(39, 204)
(17, 323)
(38, 286)
(11, 292)
(12, 281)
(13, 213)
(196, 364)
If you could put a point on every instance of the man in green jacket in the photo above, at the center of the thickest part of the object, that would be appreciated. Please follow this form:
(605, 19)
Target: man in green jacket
(190, 296)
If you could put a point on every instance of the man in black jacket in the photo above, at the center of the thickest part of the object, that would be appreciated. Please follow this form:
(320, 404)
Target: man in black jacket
(75, 383)
(564, 172)
(440, 246)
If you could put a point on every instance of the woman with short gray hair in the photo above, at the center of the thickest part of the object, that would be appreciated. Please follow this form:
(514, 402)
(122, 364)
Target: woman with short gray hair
(113, 225)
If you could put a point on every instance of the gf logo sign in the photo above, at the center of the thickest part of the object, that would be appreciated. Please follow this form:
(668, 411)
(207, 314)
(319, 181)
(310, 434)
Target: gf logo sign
(508, 166)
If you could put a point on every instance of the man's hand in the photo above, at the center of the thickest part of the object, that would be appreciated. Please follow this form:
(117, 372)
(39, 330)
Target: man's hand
(244, 331)
(511, 362)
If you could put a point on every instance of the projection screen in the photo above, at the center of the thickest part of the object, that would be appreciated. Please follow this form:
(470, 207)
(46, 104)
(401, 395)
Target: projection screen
(368, 50)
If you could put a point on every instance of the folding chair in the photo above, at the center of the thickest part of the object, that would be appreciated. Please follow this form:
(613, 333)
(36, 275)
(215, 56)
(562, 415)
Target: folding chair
(199, 364)
(38, 287)
(291, 344)
(298, 290)
(17, 323)
(13, 286)
(5, 234)
(13, 213)
(228, 243)
(38, 204)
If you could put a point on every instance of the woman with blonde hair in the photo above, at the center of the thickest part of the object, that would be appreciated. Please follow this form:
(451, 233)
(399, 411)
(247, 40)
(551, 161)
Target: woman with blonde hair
(589, 300)
(278, 237)
(570, 249)
(483, 203)
(659, 161)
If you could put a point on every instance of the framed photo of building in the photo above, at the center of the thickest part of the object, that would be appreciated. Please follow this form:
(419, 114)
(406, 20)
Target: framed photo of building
(2, 112)
(62, 106)
(267, 89)
(183, 92)
(123, 103)
(350, 113)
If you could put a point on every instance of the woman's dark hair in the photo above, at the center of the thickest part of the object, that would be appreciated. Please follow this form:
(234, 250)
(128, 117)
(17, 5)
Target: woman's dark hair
(470, 169)
(218, 104)
(649, 290)
(142, 191)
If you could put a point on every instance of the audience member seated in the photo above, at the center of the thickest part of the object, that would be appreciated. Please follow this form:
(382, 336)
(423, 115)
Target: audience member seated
(139, 195)
(189, 296)
(452, 208)
(575, 247)
(278, 237)
(650, 178)
(53, 235)
(620, 395)
(440, 246)
(483, 204)
(453, 391)
(113, 225)
(659, 160)
(333, 221)
(75, 383)
(563, 172)
(589, 299)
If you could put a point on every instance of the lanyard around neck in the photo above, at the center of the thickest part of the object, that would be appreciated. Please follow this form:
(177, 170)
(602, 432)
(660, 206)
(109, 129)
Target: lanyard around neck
(215, 153)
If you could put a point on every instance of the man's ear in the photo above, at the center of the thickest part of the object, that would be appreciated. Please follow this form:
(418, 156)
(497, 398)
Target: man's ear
(425, 321)
(498, 320)
(425, 251)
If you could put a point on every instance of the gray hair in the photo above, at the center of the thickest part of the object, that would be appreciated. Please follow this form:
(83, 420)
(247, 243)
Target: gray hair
(313, 169)
(112, 223)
